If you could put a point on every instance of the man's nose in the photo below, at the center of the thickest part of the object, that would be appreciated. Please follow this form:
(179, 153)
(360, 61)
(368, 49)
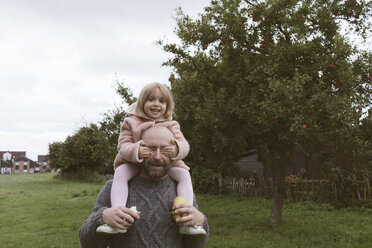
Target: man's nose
(157, 154)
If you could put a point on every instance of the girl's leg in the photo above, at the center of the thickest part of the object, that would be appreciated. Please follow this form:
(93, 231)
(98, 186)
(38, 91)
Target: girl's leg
(184, 187)
(119, 190)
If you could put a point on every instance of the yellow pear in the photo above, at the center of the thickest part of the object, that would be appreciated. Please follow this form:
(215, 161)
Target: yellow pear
(178, 200)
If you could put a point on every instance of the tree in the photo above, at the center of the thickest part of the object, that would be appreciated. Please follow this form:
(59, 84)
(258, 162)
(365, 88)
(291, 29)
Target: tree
(110, 125)
(364, 139)
(83, 153)
(270, 74)
(92, 149)
(55, 155)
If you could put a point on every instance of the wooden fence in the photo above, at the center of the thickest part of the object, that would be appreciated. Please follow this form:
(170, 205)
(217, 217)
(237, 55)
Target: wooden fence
(296, 188)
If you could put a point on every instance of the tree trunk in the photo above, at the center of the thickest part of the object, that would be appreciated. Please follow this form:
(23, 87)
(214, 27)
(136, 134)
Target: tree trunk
(279, 193)
(220, 179)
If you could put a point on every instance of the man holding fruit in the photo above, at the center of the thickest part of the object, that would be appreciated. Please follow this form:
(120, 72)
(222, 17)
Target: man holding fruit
(153, 193)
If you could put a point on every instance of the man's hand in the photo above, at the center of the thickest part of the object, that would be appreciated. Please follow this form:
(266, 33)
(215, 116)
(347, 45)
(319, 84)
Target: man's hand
(170, 151)
(143, 151)
(194, 216)
(120, 217)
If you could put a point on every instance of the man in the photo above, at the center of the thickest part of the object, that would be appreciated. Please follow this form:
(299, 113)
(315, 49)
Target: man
(152, 192)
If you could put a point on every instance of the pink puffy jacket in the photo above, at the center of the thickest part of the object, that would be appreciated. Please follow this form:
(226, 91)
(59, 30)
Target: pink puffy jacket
(130, 139)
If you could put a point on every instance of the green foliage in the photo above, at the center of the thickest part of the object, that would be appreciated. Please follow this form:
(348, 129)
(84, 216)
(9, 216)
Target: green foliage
(110, 126)
(91, 151)
(81, 153)
(269, 74)
(204, 180)
(346, 185)
(125, 93)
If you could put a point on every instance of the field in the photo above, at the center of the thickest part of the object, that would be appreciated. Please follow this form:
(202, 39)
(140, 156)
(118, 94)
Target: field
(37, 210)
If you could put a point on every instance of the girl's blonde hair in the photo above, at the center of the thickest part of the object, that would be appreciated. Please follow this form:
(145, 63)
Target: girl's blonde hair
(145, 94)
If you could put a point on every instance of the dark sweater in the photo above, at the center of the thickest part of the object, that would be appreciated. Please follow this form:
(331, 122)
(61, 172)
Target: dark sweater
(154, 229)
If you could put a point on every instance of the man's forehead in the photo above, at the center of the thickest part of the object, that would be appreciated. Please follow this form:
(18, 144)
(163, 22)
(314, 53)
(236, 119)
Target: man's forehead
(158, 137)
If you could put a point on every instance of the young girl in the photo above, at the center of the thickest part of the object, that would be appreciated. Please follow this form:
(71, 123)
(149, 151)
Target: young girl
(154, 107)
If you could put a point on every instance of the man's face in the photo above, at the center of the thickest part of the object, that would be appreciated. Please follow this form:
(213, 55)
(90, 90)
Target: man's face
(157, 165)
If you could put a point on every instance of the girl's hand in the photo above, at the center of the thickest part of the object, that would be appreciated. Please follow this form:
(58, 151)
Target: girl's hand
(170, 151)
(143, 151)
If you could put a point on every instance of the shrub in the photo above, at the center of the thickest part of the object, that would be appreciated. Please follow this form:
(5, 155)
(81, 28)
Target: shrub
(204, 180)
(346, 187)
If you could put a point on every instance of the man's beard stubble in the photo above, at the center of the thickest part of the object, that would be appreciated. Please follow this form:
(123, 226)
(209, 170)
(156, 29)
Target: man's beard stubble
(155, 174)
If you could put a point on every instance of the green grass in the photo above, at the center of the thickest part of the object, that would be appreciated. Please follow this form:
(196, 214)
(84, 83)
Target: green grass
(241, 222)
(37, 210)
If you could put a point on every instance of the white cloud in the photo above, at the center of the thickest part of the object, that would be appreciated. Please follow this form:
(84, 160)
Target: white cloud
(59, 61)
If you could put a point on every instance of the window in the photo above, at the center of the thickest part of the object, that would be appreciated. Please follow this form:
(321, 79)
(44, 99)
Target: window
(32, 170)
(17, 163)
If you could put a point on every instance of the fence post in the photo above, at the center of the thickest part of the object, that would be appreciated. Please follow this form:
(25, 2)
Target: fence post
(233, 185)
(368, 188)
(241, 184)
(365, 189)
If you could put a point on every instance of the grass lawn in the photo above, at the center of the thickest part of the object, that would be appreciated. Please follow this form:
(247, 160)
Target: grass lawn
(37, 210)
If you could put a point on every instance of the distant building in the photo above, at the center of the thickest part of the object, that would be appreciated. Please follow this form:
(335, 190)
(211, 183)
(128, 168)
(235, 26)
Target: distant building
(5, 167)
(299, 164)
(25, 165)
(249, 165)
(17, 162)
(43, 160)
(11, 155)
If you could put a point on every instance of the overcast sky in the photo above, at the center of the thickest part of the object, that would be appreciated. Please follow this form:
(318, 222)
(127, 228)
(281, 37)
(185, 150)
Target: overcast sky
(59, 60)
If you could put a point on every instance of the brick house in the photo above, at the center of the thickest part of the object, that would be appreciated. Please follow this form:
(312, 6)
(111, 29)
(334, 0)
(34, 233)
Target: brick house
(44, 162)
(11, 155)
(17, 162)
(5, 167)
(25, 165)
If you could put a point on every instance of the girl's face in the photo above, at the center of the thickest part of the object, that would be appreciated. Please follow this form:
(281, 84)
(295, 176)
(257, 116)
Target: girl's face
(155, 105)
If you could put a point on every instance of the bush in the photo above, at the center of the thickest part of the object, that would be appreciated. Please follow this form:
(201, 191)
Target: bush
(346, 185)
(204, 180)
(83, 176)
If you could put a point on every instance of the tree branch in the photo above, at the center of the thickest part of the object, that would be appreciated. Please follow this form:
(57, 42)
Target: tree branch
(248, 2)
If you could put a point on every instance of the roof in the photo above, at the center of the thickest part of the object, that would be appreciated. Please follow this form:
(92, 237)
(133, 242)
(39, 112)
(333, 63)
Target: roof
(42, 158)
(22, 158)
(15, 154)
(249, 165)
(32, 163)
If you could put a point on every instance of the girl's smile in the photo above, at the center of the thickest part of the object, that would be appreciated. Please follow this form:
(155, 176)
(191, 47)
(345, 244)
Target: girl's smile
(155, 105)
